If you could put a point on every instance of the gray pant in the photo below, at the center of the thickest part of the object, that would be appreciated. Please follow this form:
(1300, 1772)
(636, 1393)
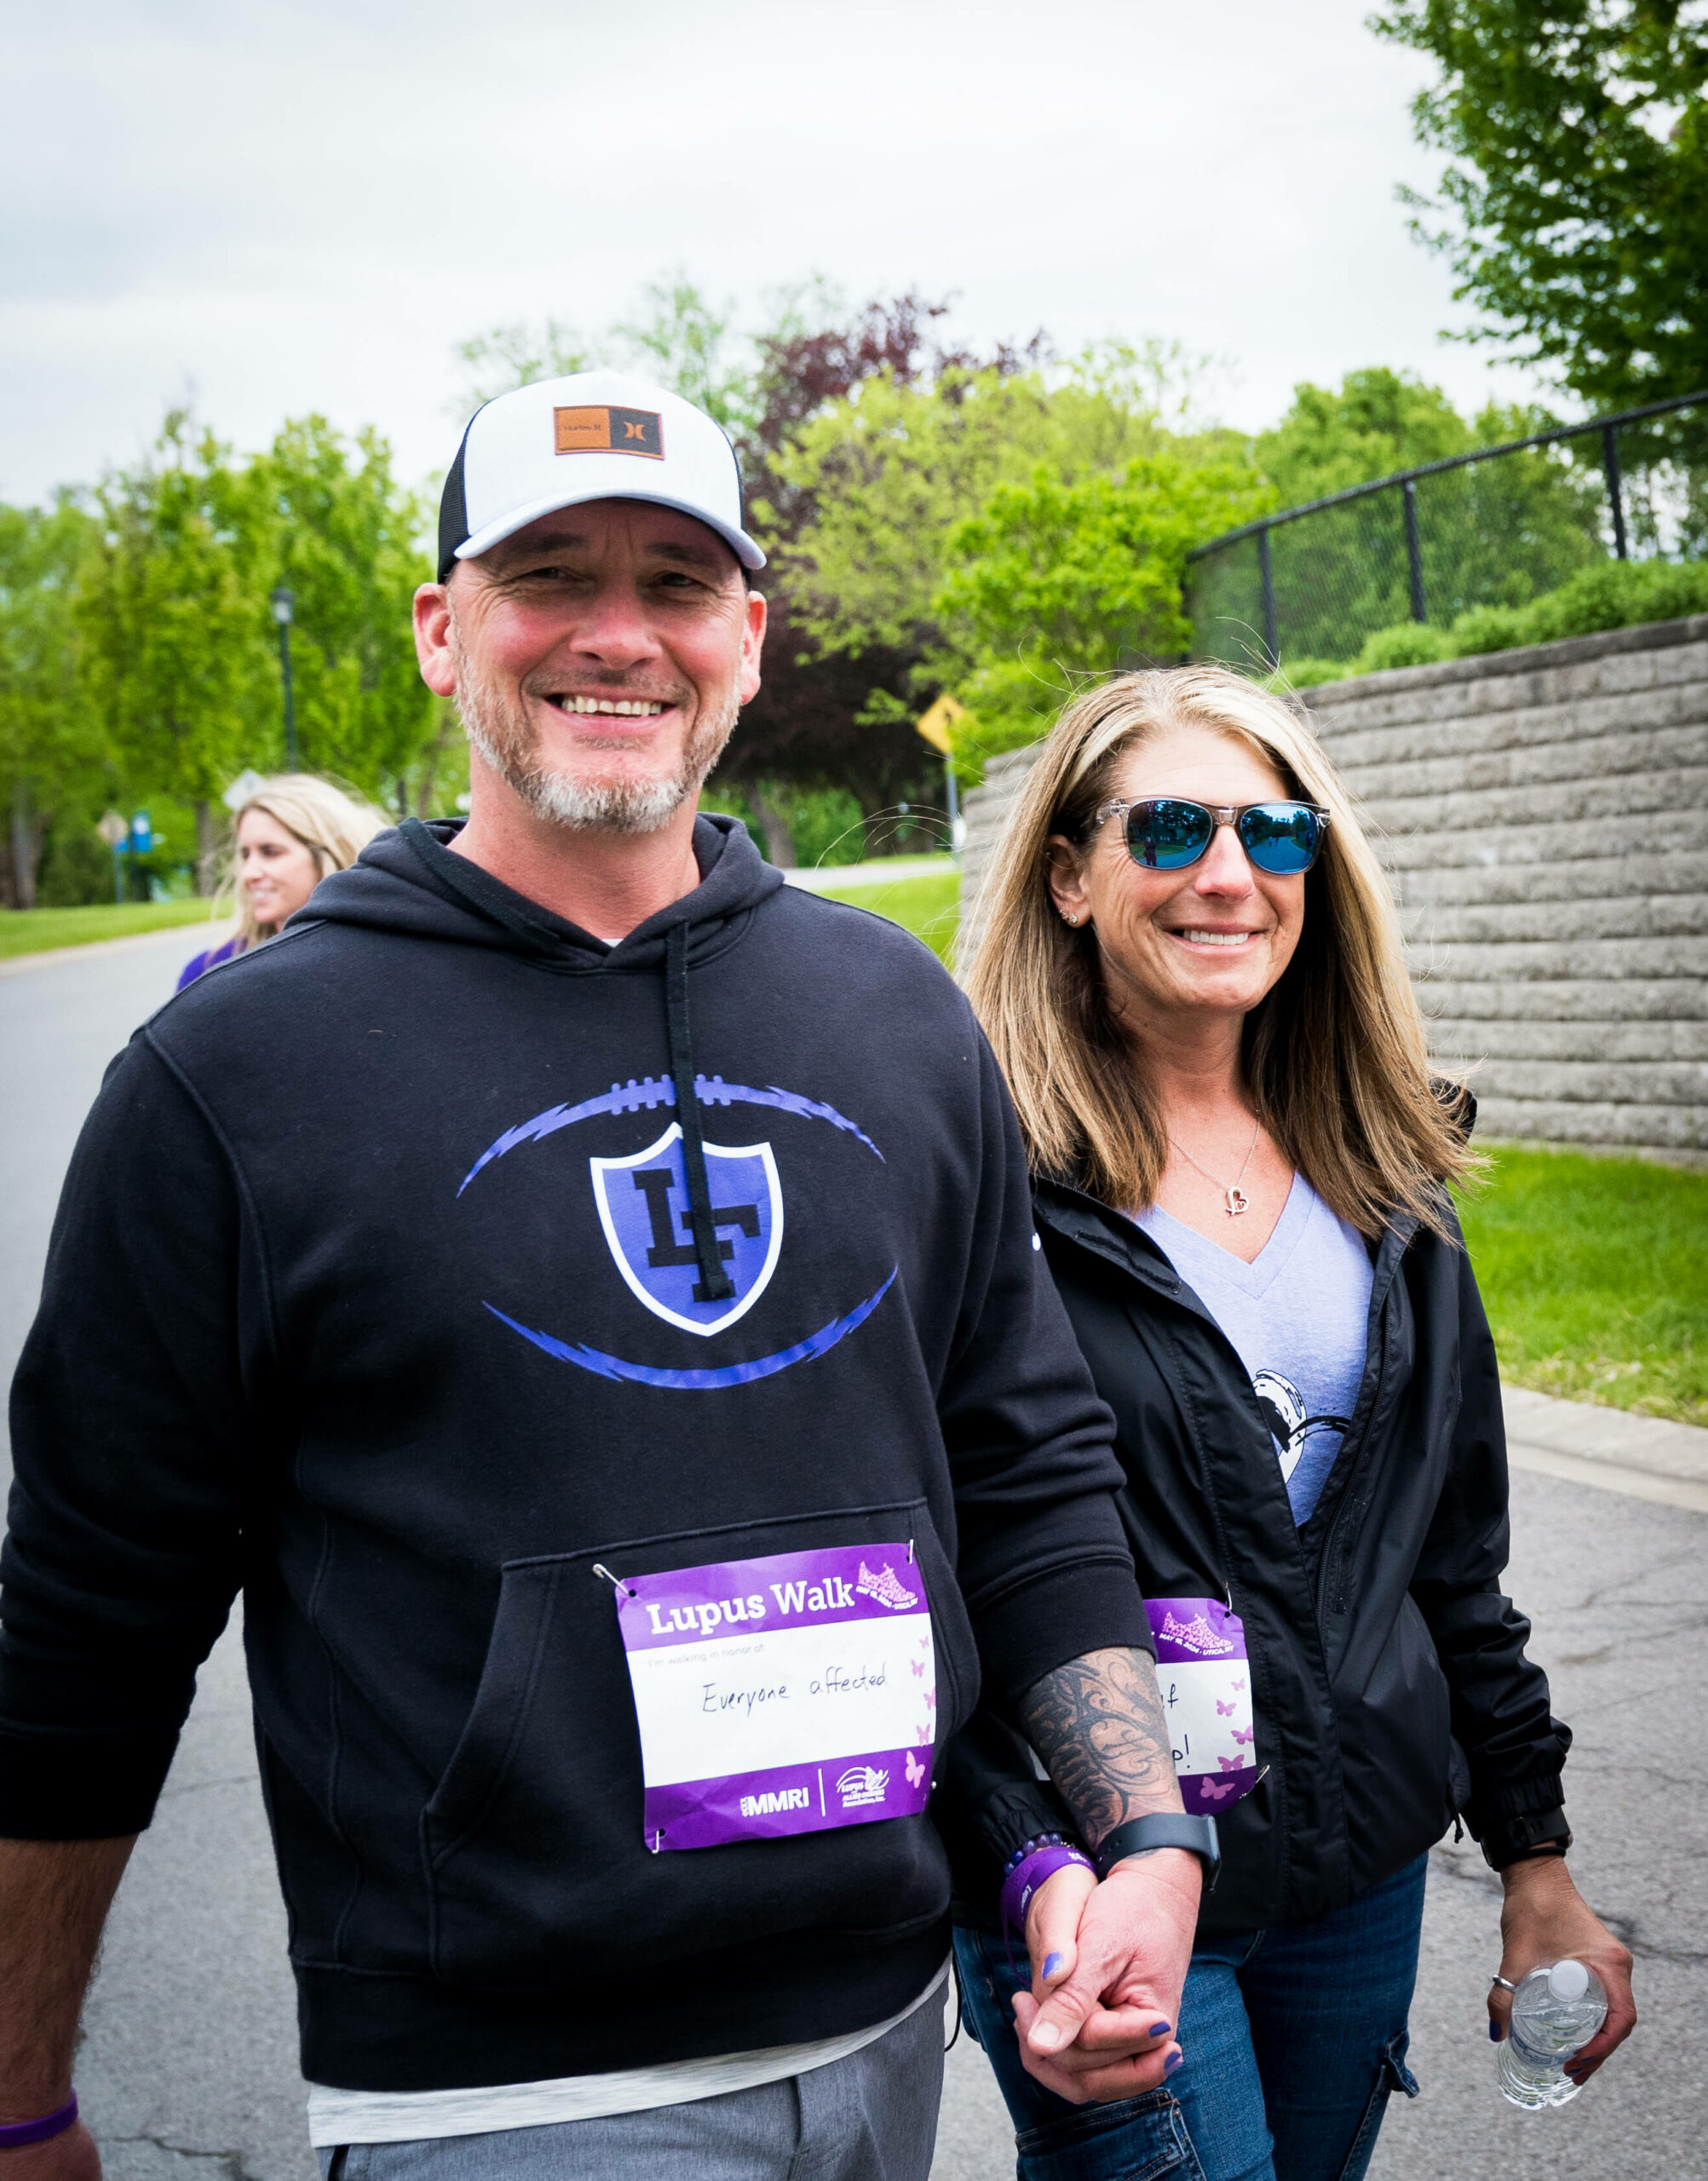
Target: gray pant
(872, 2117)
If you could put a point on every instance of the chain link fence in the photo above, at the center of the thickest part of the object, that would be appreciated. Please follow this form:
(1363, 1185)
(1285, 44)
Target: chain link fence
(1495, 528)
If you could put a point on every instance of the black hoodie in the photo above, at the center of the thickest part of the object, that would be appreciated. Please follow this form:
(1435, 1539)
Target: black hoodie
(330, 1315)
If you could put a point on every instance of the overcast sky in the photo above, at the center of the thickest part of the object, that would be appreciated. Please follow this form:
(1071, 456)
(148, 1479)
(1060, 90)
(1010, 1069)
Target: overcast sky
(283, 209)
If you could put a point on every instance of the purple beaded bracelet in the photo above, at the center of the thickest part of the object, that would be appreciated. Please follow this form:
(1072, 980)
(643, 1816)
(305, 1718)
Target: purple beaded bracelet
(1028, 1870)
(14, 2134)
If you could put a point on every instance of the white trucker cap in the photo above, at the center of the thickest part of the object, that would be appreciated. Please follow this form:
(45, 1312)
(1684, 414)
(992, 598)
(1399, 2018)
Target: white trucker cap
(594, 435)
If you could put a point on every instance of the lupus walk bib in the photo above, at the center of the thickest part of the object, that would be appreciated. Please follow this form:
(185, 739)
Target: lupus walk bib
(1205, 1678)
(787, 1695)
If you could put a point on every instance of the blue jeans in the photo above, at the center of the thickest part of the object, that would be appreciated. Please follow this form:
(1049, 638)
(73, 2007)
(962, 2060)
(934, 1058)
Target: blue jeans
(1293, 2037)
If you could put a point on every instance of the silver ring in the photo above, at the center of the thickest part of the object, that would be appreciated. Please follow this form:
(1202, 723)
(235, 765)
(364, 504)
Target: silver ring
(1505, 1983)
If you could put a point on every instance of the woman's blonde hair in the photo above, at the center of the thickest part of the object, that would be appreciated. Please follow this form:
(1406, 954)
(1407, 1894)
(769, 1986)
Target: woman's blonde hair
(1334, 1054)
(335, 827)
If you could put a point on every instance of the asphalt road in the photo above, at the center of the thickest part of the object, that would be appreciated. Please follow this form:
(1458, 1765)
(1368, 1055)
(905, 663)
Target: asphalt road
(188, 2065)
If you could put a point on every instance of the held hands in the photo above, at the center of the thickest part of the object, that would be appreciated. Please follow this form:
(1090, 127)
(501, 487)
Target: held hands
(1544, 1918)
(1108, 1964)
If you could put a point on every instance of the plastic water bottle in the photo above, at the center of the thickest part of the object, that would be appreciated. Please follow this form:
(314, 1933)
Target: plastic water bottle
(1555, 2013)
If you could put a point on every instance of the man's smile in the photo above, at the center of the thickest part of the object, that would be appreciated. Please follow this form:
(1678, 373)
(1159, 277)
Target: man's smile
(609, 707)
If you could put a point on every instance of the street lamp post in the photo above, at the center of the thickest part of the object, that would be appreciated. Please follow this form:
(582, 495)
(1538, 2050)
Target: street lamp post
(283, 604)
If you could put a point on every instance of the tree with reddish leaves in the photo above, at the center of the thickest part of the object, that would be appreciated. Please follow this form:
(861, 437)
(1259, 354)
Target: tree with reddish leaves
(805, 726)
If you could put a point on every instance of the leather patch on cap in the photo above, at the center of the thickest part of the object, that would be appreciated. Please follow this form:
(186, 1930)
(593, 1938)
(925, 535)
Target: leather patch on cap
(610, 431)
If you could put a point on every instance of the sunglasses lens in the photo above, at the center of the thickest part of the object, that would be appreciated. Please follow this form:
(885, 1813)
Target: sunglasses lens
(1281, 838)
(1166, 835)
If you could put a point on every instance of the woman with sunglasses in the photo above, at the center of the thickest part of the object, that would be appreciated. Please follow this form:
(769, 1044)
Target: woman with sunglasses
(1191, 971)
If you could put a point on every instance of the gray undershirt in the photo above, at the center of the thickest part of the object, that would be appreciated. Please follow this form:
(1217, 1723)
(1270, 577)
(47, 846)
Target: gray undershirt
(1296, 1317)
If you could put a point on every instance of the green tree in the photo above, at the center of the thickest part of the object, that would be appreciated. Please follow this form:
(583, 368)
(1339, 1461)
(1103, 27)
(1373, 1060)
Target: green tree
(54, 761)
(1491, 534)
(689, 344)
(1374, 423)
(172, 624)
(892, 469)
(1576, 195)
(508, 356)
(329, 520)
(677, 337)
(1059, 579)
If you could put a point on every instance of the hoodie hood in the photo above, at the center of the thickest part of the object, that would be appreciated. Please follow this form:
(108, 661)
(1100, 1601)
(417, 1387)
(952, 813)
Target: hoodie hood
(410, 881)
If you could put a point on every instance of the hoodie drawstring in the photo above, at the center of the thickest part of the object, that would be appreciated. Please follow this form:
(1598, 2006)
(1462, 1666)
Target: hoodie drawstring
(715, 1284)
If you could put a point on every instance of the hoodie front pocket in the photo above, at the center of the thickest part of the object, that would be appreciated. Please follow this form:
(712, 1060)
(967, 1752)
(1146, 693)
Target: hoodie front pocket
(532, 1843)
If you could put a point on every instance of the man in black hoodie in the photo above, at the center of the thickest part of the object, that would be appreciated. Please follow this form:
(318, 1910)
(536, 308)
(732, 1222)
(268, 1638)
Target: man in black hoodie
(583, 1293)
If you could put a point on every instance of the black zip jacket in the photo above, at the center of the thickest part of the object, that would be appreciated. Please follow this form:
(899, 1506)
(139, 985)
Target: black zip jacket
(335, 1312)
(1389, 1679)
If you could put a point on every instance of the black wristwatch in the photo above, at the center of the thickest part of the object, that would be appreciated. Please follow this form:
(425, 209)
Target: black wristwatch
(1517, 1839)
(1164, 1829)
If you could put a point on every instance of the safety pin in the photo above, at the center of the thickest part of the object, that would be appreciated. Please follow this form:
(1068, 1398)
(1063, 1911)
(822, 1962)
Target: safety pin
(658, 1845)
(627, 1588)
(909, 1552)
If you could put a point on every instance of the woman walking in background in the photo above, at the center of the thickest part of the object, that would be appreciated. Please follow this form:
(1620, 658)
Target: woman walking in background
(291, 833)
(1192, 975)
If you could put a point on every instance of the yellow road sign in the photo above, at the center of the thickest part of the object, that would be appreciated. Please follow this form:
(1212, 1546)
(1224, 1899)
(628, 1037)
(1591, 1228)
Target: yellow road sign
(934, 725)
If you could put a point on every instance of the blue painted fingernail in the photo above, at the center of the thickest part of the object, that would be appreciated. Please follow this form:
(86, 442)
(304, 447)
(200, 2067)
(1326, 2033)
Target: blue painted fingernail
(1162, 2029)
(1494, 2032)
(1173, 2060)
(1052, 1967)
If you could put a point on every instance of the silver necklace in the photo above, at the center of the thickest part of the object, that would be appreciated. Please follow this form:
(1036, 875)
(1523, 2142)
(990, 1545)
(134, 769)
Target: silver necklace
(1238, 1201)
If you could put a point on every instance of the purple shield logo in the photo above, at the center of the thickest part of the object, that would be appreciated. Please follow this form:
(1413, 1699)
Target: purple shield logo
(643, 1207)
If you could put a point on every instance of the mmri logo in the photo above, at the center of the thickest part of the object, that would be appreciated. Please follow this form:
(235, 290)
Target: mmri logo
(775, 1800)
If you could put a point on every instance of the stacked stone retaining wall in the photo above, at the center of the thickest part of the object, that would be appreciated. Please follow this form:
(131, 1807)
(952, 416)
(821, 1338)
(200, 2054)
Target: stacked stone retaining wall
(1544, 817)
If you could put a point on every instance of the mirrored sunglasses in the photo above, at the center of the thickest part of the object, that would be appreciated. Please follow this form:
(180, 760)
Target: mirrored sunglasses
(1166, 833)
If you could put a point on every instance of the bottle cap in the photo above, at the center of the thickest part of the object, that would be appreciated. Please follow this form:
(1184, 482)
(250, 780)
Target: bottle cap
(1568, 1980)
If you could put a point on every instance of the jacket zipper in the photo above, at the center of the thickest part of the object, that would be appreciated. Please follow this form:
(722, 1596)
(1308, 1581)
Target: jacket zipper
(1355, 1466)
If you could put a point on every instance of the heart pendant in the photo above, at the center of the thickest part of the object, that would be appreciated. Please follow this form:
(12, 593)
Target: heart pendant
(1238, 1201)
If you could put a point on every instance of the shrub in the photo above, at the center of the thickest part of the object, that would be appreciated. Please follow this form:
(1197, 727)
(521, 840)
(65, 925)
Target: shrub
(76, 870)
(1309, 673)
(1616, 595)
(1407, 643)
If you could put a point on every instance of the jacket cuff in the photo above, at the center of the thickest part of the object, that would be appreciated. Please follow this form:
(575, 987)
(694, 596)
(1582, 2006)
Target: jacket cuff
(81, 1787)
(1512, 1839)
(1029, 1630)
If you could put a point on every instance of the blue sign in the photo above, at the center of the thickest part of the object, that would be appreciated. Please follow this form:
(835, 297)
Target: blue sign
(141, 833)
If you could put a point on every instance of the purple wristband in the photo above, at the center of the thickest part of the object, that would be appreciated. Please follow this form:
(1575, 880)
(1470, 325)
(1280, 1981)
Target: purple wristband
(1025, 1878)
(14, 2134)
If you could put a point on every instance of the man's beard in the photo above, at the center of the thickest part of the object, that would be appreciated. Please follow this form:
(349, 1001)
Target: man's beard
(504, 734)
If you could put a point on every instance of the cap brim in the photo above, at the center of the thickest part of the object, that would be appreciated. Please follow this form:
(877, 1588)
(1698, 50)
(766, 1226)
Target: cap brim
(483, 541)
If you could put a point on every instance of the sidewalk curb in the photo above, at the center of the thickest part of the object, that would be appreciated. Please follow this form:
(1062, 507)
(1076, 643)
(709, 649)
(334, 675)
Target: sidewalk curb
(80, 950)
(1611, 1449)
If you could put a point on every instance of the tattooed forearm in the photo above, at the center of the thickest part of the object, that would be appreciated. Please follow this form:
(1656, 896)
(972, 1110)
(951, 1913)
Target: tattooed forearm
(1098, 1723)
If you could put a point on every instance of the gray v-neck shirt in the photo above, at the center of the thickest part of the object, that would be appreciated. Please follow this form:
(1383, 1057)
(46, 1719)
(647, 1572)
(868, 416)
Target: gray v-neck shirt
(1296, 1317)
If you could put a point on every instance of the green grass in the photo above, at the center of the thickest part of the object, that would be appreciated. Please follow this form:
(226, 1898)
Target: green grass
(929, 907)
(1594, 1272)
(36, 931)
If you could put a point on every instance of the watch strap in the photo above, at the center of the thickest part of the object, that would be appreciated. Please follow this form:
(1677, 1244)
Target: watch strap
(1511, 1840)
(1164, 1829)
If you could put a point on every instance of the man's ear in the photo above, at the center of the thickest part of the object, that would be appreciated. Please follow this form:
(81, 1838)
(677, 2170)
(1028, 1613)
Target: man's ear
(753, 643)
(432, 639)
